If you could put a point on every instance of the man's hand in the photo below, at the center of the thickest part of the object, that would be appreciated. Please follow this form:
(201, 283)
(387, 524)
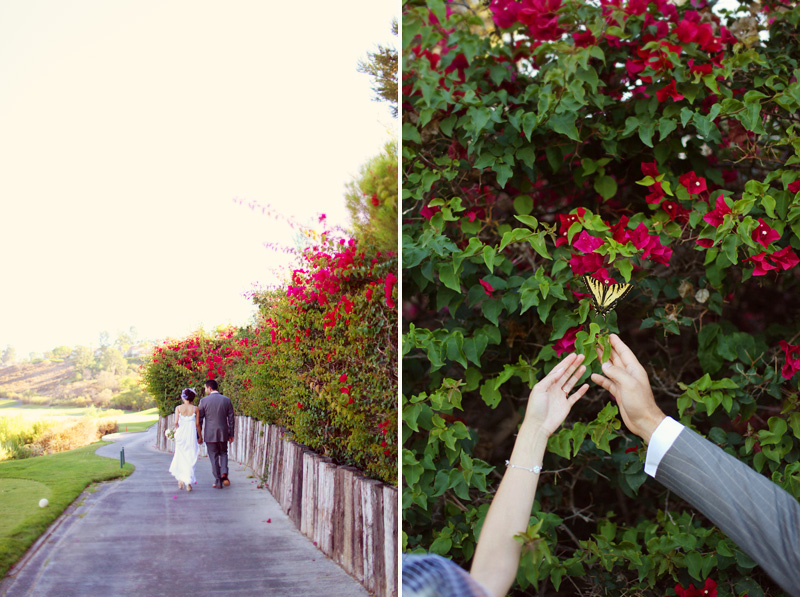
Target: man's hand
(627, 381)
(550, 400)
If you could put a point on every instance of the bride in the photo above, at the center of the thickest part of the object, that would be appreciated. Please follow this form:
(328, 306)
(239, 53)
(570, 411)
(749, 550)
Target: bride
(188, 434)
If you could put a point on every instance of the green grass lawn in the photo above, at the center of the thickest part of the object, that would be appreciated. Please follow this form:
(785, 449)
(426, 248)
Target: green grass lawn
(137, 421)
(58, 477)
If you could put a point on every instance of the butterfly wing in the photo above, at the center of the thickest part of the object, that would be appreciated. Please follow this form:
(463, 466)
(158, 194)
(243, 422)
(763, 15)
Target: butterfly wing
(605, 296)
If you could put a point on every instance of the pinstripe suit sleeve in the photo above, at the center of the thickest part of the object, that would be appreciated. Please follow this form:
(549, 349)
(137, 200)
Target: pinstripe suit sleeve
(760, 517)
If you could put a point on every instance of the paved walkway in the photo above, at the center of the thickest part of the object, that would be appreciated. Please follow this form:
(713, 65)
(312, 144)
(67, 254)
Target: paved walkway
(143, 537)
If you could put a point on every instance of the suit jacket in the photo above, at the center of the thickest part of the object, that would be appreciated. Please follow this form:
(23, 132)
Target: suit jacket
(217, 412)
(760, 517)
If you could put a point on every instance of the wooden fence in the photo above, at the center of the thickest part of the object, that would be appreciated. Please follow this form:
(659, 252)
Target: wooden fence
(352, 519)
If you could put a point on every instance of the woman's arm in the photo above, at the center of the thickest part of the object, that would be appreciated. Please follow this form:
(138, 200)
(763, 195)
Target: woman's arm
(199, 425)
(497, 553)
(177, 416)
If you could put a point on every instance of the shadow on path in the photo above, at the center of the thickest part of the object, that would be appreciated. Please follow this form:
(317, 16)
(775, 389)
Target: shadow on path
(142, 536)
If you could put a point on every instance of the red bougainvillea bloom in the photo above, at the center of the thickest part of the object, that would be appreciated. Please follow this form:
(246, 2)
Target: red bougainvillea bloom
(343, 378)
(709, 589)
(374, 199)
(428, 212)
(567, 342)
(541, 17)
(785, 258)
(346, 390)
(656, 194)
(565, 221)
(487, 288)
(388, 285)
(792, 354)
(619, 231)
(668, 91)
(764, 235)
(631, 449)
(716, 215)
(703, 69)
(650, 169)
(705, 242)
(693, 183)
(583, 39)
(586, 243)
(300, 405)
(586, 264)
(794, 187)
(762, 266)
(675, 211)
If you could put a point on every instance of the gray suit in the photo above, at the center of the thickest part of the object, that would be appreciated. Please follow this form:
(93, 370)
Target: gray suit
(216, 411)
(759, 516)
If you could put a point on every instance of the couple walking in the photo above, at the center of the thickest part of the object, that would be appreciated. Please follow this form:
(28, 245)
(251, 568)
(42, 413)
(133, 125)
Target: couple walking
(216, 411)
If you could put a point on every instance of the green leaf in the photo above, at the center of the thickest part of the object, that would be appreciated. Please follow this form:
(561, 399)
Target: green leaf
(523, 204)
(564, 124)
(490, 394)
(410, 133)
(665, 127)
(448, 277)
(605, 186)
(646, 133)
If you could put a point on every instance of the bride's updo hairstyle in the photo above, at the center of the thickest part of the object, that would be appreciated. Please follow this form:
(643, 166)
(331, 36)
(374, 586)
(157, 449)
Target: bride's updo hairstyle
(188, 394)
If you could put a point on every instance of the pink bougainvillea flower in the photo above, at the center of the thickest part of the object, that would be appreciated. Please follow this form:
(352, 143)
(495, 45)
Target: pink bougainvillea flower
(504, 12)
(586, 243)
(693, 183)
(764, 235)
(762, 266)
(487, 288)
(792, 355)
(785, 258)
(567, 342)
(705, 242)
(794, 187)
(716, 215)
(668, 91)
(388, 285)
(322, 217)
(541, 17)
(565, 221)
(709, 589)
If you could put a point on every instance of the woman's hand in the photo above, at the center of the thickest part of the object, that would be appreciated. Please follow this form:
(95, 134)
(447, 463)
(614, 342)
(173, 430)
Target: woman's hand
(550, 400)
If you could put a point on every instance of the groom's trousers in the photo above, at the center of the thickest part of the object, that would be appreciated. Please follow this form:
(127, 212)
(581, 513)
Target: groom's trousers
(218, 455)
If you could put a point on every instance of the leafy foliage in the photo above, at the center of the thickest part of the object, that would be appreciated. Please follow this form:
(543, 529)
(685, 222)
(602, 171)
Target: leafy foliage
(630, 140)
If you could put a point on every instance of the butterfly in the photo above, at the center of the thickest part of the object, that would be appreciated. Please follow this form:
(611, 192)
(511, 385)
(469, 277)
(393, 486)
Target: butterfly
(605, 296)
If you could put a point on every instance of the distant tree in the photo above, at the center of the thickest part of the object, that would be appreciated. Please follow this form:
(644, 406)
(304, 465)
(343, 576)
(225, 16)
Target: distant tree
(372, 202)
(105, 339)
(382, 67)
(84, 359)
(125, 340)
(114, 362)
(9, 355)
(60, 352)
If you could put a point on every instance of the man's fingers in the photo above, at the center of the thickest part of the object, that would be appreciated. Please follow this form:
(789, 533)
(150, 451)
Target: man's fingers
(603, 382)
(626, 356)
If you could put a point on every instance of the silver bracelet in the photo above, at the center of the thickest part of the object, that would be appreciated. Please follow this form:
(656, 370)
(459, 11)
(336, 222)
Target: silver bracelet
(535, 469)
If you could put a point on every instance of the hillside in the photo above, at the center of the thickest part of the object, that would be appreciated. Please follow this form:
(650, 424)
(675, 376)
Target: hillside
(60, 382)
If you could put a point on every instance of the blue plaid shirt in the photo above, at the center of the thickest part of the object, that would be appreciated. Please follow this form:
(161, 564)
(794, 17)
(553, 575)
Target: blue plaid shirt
(430, 575)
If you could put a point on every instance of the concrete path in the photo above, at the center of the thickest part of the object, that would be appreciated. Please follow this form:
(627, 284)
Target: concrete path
(142, 536)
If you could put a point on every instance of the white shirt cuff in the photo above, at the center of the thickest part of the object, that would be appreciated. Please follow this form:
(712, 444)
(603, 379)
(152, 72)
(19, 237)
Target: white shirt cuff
(662, 439)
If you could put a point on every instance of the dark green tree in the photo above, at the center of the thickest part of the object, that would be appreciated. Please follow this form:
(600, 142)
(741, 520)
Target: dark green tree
(382, 67)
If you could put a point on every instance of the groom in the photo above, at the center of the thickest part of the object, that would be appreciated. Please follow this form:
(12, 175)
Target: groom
(217, 411)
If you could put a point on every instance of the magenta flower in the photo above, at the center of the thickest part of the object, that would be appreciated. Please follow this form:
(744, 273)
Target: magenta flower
(792, 364)
(620, 232)
(586, 264)
(567, 342)
(762, 266)
(487, 288)
(656, 194)
(583, 39)
(675, 211)
(785, 258)
(764, 235)
(693, 183)
(587, 243)
(668, 91)
(794, 187)
(541, 17)
(650, 169)
(716, 215)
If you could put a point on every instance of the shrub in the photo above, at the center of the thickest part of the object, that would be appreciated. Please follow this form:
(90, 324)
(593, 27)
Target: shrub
(320, 360)
(634, 141)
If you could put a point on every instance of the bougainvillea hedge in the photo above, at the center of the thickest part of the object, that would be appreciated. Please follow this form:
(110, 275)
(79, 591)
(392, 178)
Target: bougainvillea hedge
(645, 141)
(321, 359)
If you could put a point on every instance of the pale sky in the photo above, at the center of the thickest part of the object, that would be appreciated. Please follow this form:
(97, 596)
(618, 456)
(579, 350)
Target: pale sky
(128, 128)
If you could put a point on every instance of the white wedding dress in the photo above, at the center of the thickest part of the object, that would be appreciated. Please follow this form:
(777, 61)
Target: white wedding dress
(186, 450)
